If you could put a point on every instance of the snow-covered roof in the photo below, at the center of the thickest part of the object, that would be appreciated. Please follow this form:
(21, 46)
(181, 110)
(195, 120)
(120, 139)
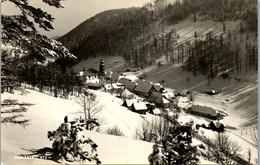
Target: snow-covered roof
(114, 86)
(156, 111)
(165, 101)
(130, 102)
(139, 106)
(126, 92)
(119, 84)
(218, 124)
(107, 86)
(81, 73)
(168, 95)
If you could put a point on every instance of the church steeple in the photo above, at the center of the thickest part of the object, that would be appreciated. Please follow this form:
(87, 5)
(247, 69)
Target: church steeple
(102, 68)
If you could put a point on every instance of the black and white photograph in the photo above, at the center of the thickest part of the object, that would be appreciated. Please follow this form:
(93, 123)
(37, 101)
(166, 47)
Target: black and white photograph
(144, 82)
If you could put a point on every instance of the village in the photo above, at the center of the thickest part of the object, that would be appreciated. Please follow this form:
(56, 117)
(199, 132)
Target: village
(143, 97)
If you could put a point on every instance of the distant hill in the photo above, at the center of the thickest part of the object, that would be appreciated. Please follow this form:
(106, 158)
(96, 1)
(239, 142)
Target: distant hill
(107, 33)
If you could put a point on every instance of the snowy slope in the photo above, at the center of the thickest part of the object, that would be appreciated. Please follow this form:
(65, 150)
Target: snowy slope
(48, 112)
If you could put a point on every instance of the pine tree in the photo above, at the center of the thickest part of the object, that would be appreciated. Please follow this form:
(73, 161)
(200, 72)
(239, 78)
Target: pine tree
(20, 32)
(69, 143)
(175, 148)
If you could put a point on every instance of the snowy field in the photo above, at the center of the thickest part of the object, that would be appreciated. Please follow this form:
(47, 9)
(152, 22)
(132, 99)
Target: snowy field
(47, 114)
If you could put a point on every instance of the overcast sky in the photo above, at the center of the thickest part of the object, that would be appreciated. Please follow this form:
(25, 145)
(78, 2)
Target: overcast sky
(75, 12)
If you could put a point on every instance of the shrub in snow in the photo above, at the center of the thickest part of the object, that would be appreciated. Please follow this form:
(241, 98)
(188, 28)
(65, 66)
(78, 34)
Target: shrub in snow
(69, 143)
(175, 148)
(115, 131)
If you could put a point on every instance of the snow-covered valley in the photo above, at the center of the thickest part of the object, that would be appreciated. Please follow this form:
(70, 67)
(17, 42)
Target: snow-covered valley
(47, 112)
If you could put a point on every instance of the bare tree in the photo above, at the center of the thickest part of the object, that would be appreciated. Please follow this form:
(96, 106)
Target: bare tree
(90, 109)
(225, 151)
(143, 132)
(155, 130)
(160, 127)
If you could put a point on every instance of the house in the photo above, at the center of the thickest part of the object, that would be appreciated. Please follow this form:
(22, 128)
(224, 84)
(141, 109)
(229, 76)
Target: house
(139, 108)
(181, 92)
(159, 99)
(92, 79)
(211, 91)
(158, 87)
(128, 103)
(169, 95)
(123, 81)
(126, 94)
(150, 107)
(217, 126)
(144, 89)
(114, 77)
(204, 111)
(130, 85)
(184, 102)
(94, 86)
(108, 88)
(116, 88)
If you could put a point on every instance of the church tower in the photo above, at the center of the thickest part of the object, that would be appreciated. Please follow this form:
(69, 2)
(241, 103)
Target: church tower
(101, 68)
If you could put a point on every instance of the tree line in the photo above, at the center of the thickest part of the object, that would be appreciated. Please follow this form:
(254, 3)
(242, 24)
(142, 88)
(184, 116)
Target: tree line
(54, 77)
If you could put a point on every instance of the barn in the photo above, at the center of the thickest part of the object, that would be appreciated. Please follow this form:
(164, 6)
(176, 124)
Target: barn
(204, 111)
(144, 89)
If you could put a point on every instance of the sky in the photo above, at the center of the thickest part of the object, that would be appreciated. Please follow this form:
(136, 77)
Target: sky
(74, 13)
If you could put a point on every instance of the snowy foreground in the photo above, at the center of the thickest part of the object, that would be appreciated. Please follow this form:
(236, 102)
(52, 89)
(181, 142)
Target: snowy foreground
(48, 112)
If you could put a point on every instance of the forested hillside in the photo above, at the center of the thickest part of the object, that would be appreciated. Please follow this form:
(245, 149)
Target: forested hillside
(142, 35)
(107, 33)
